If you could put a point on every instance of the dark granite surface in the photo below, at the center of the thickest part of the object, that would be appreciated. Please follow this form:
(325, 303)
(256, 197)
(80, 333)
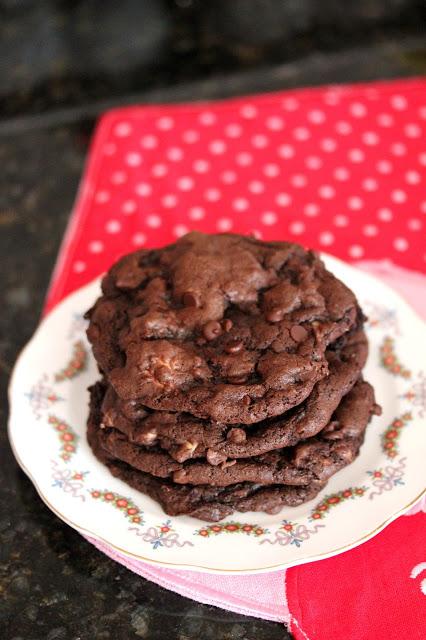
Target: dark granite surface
(53, 584)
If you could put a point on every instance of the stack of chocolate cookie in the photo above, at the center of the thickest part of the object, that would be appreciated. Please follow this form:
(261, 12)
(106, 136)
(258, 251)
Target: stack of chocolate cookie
(231, 375)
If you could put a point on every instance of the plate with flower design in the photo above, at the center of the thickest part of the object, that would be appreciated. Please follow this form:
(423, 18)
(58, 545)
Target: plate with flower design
(49, 407)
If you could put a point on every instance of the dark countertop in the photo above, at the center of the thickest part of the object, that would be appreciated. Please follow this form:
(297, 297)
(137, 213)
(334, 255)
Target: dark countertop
(53, 584)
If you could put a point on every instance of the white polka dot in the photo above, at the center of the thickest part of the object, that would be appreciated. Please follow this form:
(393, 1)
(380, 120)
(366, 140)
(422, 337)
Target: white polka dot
(358, 110)
(153, 221)
(399, 103)
(149, 142)
(422, 112)
(207, 118)
(299, 181)
(233, 130)
(224, 224)
(113, 226)
(370, 184)
(128, 207)
(143, 189)
(255, 186)
(118, 177)
(384, 166)
(385, 215)
(316, 116)
(356, 251)
(174, 154)
(110, 149)
(301, 133)
(269, 218)
(311, 210)
(328, 145)
(341, 221)
(290, 104)
(399, 196)
(248, 111)
(79, 266)
(385, 120)
(414, 224)
(326, 191)
(422, 159)
(102, 196)
(165, 123)
(313, 162)
(274, 123)
(343, 127)
(259, 141)
(271, 170)
(370, 230)
(123, 129)
(240, 204)
(412, 130)
(400, 244)
(412, 177)
(185, 183)
(138, 239)
(217, 147)
(180, 230)
(355, 203)
(283, 199)
(423, 206)
(96, 246)
(190, 136)
(326, 238)
(169, 201)
(356, 155)
(244, 159)
(297, 227)
(228, 177)
(286, 151)
(159, 170)
(201, 166)
(196, 213)
(212, 195)
(133, 159)
(341, 174)
(398, 149)
(331, 98)
(370, 138)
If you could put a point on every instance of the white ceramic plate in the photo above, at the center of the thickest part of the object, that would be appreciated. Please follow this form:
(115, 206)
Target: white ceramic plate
(49, 404)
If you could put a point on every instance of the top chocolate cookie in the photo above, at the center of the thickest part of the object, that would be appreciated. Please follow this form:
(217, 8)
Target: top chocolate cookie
(223, 327)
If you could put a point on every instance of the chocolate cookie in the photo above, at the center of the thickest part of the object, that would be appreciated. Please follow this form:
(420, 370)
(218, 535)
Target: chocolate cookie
(204, 502)
(223, 327)
(185, 437)
(313, 460)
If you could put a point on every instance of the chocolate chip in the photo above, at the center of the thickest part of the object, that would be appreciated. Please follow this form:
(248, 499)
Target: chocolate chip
(377, 410)
(234, 347)
(212, 330)
(298, 333)
(275, 315)
(246, 400)
(215, 457)
(179, 476)
(189, 299)
(227, 463)
(238, 379)
(227, 325)
(236, 435)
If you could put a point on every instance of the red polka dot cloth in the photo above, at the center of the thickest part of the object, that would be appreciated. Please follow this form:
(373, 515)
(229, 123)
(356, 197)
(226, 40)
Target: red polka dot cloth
(340, 169)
